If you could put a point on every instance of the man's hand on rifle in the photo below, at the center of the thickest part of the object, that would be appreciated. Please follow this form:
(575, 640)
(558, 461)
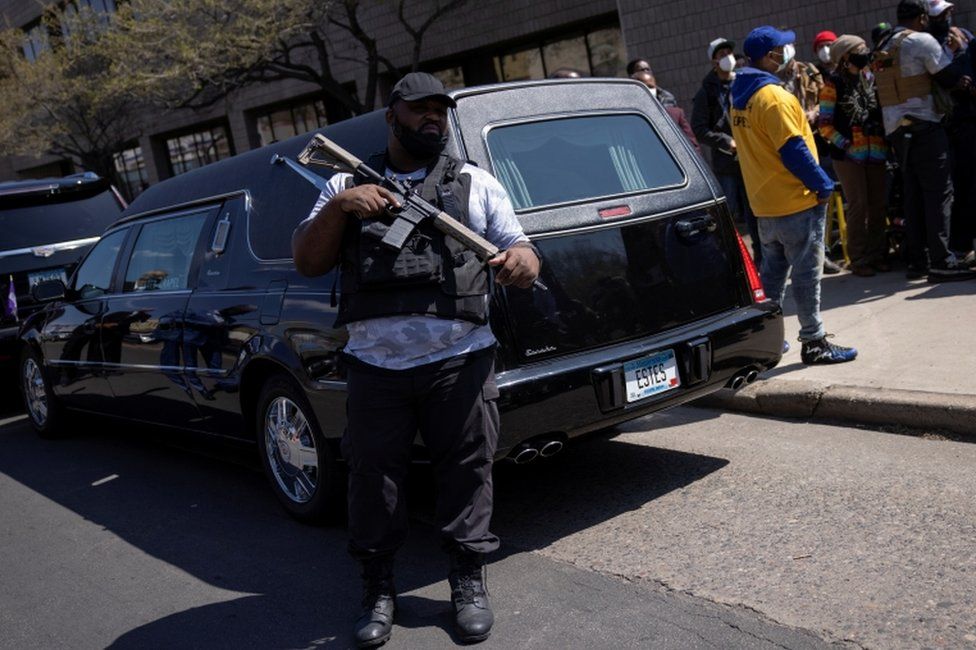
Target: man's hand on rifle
(516, 266)
(366, 201)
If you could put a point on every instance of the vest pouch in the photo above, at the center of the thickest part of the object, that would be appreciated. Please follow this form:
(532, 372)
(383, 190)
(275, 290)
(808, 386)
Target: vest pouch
(470, 277)
(418, 262)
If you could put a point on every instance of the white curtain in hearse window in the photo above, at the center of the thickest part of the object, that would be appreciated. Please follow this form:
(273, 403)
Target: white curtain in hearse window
(573, 159)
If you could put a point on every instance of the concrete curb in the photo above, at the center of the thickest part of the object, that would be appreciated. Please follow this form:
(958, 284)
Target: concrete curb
(855, 404)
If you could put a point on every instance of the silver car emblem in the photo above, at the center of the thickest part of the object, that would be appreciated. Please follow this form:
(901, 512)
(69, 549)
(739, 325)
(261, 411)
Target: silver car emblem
(43, 251)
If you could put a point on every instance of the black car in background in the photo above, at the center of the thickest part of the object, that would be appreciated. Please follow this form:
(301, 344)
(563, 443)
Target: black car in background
(189, 312)
(46, 226)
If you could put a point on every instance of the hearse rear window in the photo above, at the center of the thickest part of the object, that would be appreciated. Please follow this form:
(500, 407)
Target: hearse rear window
(579, 158)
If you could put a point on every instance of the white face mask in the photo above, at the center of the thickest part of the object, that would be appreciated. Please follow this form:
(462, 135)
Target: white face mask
(824, 54)
(788, 53)
(653, 91)
(727, 63)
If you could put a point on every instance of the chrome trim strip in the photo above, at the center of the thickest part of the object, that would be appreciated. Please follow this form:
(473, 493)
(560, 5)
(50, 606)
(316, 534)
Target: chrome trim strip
(150, 292)
(30, 189)
(54, 248)
(619, 223)
(181, 207)
(207, 372)
(330, 384)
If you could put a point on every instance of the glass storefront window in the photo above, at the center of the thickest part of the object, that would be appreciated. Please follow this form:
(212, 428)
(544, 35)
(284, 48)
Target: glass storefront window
(608, 57)
(520, 66)
(197, 149)
(451, 77)
(568, 53)
(598, 53)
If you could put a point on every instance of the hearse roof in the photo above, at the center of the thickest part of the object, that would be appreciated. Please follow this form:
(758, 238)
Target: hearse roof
(252, 170)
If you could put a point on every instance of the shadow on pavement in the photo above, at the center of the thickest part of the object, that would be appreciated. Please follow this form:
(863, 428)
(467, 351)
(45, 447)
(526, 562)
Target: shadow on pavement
(284, 584)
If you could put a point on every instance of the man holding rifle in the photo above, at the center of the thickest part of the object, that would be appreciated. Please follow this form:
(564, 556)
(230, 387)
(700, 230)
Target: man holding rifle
(420, 354)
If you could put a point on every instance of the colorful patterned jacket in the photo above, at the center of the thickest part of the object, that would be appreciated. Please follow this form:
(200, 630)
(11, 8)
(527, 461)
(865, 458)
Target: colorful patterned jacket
(850, 120)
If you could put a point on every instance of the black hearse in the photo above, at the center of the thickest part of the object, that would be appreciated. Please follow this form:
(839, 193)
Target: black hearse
(190, 313)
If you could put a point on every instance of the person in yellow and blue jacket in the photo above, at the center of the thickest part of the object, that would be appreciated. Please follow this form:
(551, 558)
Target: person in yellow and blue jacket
(787, 188)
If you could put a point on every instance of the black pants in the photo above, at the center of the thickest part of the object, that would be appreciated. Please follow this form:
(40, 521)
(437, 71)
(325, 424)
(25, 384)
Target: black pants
(923, 152)
(962, 229)
(453, 405)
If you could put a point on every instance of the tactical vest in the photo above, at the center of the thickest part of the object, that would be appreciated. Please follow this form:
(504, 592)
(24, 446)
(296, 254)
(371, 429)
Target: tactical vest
(894, 89)
(433, 274)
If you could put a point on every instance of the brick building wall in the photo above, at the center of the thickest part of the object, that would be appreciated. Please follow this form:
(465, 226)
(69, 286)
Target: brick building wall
(673, 36)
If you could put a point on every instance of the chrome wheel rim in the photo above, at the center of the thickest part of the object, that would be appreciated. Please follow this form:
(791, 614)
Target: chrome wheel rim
(290, 448)
(34, 393)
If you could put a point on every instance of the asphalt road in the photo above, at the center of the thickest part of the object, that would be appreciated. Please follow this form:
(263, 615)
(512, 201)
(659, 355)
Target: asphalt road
(687, 530)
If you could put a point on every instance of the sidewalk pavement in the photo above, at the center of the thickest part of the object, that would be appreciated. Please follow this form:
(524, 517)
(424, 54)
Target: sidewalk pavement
(916, 364)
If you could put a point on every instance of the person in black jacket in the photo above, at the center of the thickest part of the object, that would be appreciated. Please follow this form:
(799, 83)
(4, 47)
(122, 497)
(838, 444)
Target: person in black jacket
(666, 97)
(713, 128)
(961, 127)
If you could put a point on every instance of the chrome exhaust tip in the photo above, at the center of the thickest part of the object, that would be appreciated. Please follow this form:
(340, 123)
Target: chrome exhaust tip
(524, 454)
(551, 448)
(752, 376)
(737, 382)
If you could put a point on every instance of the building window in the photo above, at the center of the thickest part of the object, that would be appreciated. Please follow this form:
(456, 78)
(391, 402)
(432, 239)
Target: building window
(199, 148)
(130, 167)
(290, 121)
(101, 9)
(596, 53)
(99, 6)
(452, 78)
(35, 41)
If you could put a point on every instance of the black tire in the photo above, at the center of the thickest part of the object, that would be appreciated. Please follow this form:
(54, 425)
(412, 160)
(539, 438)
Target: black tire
(44, 410)
(311, 496)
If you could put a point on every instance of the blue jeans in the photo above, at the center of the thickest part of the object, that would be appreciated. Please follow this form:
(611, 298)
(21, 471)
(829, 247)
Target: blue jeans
(796, 240)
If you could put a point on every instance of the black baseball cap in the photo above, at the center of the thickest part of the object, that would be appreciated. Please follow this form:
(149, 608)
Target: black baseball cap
(420, 85)
(912, 9)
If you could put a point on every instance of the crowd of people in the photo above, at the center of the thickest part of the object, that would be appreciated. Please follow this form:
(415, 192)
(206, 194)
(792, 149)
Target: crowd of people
(887, 121)
(862, 97)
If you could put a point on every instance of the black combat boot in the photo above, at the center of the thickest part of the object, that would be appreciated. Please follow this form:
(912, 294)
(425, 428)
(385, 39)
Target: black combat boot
(379, 603)
(473, 617)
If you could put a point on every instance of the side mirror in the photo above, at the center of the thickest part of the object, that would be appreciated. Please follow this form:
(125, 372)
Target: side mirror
(48, 291)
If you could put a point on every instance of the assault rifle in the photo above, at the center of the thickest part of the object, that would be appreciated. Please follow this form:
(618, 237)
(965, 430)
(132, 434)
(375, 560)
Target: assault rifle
(413, 208)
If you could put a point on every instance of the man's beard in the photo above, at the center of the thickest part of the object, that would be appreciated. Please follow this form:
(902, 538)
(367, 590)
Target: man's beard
(422, 146)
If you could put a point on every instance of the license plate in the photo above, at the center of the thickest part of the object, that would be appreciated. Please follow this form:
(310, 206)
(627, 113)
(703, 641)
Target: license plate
(38, 277)
(651, 375)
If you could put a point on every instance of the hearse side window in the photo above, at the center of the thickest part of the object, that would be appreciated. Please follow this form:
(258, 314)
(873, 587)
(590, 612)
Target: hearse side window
(578, 158)
(95, 275)
(163, 253)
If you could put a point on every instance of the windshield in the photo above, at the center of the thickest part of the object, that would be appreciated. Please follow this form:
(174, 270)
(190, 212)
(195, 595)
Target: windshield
(579, 158)
(54, 219)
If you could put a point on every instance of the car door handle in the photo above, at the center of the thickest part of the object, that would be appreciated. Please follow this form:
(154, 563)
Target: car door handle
(692, 226)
